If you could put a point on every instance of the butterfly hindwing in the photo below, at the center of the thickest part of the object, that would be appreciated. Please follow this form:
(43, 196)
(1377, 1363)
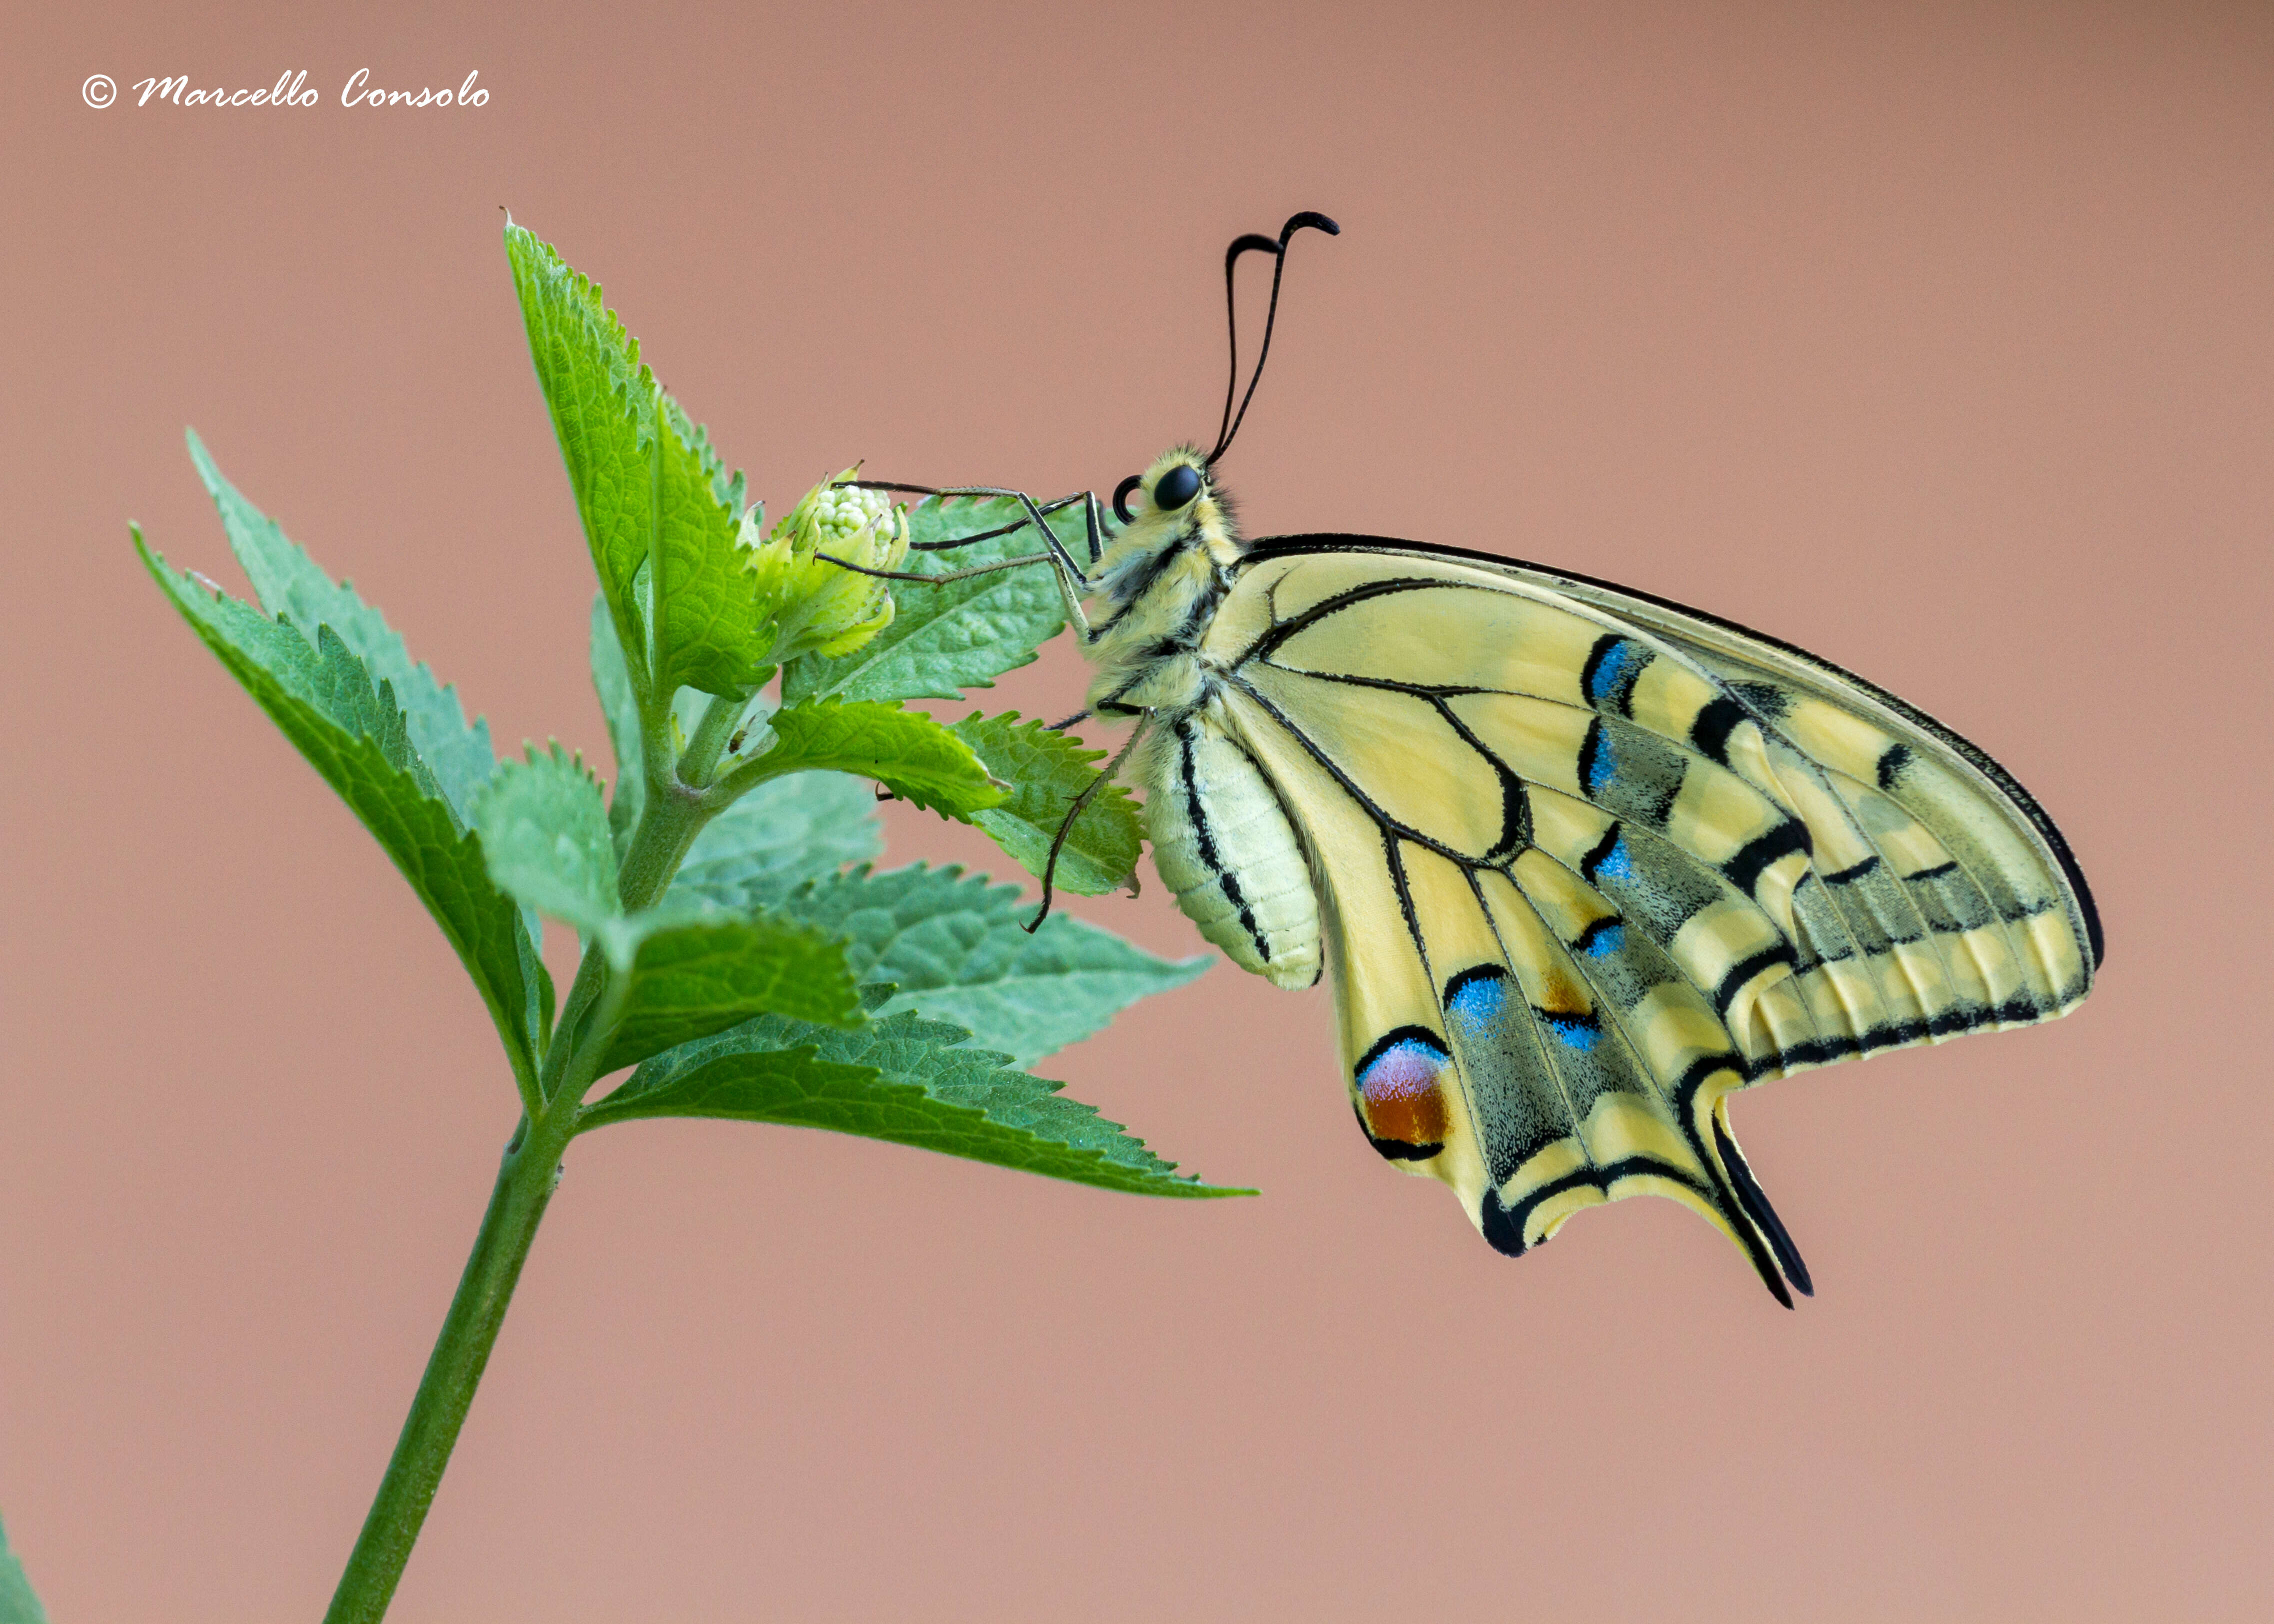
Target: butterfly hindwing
(1589, 863)
(1504, 1028)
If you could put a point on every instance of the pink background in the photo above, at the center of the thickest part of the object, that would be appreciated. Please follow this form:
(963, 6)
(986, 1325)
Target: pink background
(1934, 337)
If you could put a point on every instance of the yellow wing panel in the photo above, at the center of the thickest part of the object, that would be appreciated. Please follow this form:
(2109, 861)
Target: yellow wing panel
(1403, 755)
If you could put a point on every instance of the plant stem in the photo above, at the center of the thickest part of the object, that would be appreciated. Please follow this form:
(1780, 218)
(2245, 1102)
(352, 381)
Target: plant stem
(673, 814)
(673, 817)
(524, 1185)
(710, 741)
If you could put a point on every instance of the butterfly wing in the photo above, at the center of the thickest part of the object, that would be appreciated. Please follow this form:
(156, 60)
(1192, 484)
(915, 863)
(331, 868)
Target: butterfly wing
(1590, 863)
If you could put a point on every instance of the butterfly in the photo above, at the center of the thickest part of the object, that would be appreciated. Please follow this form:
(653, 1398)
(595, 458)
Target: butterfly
(1580, 862)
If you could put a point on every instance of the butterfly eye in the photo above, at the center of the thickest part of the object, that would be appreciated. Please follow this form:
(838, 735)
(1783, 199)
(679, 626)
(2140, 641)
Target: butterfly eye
(1176, 487)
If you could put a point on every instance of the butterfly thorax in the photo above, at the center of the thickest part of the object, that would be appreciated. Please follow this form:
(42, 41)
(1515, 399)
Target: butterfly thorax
(1160, 584)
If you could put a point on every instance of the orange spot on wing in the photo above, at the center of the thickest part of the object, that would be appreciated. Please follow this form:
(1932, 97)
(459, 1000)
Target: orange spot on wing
(1418, 1117)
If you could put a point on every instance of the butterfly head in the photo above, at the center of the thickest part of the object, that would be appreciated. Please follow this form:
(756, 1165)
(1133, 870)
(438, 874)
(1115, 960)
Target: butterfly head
(1178, 493)
(1181, 483)
(1174, 506)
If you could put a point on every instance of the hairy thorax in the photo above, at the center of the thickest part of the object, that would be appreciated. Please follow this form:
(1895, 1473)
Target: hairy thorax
(1160, 584)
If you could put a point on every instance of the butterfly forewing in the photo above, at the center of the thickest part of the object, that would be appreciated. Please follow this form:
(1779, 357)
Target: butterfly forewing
(1978, 818)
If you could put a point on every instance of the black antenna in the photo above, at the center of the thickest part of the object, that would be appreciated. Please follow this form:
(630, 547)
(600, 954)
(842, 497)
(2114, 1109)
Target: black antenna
(1229, 425)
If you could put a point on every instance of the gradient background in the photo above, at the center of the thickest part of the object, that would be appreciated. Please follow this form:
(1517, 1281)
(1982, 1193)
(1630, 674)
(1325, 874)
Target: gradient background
(1935, 338)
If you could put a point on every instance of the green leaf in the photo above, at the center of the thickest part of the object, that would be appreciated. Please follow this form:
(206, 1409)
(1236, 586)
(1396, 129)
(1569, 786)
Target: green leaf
(903, 1078)
(352, 733)
(957, 950)
(17, 1602)
(788, 831)
(707, 603)
(605, 406)
(649, 488)
(945, 639)
(289, 582)
(547, 839)
(612, 681)
(689, 980)
(1047, 770)
(906, 751)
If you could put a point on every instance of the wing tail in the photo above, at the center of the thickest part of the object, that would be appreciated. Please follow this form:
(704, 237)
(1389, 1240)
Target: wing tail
(1756, 1203)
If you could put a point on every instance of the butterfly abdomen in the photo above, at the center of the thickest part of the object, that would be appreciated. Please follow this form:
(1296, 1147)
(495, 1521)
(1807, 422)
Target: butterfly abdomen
(1223, 845)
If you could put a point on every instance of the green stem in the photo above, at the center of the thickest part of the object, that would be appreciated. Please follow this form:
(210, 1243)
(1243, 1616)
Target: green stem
(524, 1185)
(674, 815)
(710, 741)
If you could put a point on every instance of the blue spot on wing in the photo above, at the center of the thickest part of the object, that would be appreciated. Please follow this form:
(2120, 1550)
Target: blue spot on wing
(1403, 1066)
(1610, 674)
(1611, 857)
(1478, 995)
(1600, 939)
(1599, 761)
(1580, 1032)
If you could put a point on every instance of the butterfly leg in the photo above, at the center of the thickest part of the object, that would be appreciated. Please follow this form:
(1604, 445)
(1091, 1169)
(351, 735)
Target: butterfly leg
(1066, 827)
(1094, 525)
(1068, 588)
(1072, 580)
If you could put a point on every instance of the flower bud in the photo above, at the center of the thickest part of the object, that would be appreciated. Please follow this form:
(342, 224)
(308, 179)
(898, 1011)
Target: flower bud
(816, 607)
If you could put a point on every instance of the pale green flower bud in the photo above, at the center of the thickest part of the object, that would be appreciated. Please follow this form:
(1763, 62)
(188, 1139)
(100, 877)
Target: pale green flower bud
(816, 607)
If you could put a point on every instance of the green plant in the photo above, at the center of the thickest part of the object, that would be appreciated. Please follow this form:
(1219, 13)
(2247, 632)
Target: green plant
(739, 953)
(17, 1604)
